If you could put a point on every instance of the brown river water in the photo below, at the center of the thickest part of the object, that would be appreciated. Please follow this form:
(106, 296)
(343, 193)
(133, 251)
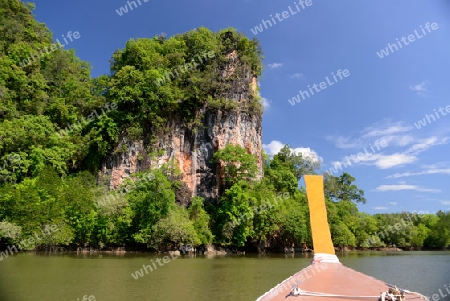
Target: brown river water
(105, 277)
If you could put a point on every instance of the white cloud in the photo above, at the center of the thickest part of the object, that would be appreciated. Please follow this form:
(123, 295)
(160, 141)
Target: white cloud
(392, 135)
(445, 203)
(384, 128)
(275, 146)
(410, 155)
(420, 88)
(338, 164)
(266, 103)
(393, 203)
(380, 160)
(404, 187)
(308, 153)
(424, 172)
(344, 142)
(275, 65)
(397, 159)
(366, 158)
(298, 75)
(438, 165)
(424, 144)
(399, 140)
(380, 208)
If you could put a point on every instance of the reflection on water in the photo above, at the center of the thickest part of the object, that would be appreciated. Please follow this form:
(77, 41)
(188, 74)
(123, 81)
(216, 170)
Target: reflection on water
(107, 276)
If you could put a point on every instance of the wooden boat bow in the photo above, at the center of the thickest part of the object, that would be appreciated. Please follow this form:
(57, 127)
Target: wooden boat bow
(326, 279)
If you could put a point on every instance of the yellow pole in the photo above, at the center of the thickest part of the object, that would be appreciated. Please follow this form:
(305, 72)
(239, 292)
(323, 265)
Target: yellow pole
(318, 215)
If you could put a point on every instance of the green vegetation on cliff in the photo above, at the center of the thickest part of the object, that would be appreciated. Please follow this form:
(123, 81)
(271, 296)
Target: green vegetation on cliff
(52, 143)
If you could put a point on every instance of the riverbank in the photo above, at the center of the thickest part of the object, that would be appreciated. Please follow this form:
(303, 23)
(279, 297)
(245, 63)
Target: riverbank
(210, 250)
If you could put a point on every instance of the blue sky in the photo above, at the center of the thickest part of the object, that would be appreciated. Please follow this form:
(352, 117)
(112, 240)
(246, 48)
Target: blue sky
(381, 99)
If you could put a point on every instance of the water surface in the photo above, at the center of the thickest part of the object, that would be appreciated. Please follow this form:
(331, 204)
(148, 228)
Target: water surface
(37, 276)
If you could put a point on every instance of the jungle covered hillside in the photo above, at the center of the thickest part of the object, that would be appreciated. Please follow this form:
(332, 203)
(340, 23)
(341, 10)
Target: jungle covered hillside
(58, 124)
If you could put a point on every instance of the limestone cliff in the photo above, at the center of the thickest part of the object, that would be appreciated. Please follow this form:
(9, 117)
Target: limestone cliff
(233, 121)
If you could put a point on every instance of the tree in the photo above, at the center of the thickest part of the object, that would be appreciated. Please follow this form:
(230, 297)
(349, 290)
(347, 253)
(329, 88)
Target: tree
(395, 229)
(236, 163)
(234, 215)
(439, 236)
(200, 220)
(420, 233)
(342, 188)
(341, 235)
(295, 162)
(173, 230)
(342, 220)
(266, 208)
(76, 194)
(279, 177)
(44, 200)
(10, 232)
(294, 220)
(114, 217)
(366, 234)
(151, 200)
(33, 141)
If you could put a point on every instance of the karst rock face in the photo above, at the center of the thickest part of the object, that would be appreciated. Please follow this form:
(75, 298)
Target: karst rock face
(192, 149)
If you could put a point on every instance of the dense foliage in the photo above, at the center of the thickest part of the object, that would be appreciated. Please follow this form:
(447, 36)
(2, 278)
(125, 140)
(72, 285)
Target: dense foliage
(51, 144)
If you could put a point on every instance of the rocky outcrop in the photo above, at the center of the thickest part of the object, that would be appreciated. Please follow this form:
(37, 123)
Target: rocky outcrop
(191, 149)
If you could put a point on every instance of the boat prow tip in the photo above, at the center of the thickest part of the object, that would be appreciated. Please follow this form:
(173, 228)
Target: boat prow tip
(325, 258)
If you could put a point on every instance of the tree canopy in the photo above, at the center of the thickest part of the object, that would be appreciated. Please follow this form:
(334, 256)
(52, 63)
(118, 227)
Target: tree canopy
(343, 188)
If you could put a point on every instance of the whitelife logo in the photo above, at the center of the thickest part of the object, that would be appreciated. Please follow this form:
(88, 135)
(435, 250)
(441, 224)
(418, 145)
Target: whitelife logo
(79, 125)
(30, 241)
(140, 273)
(124, 9)
(411, 38)
(86, 298)
(356, 158)
(47, 50)
(430, 118)
(319, 87)
(286, 14)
